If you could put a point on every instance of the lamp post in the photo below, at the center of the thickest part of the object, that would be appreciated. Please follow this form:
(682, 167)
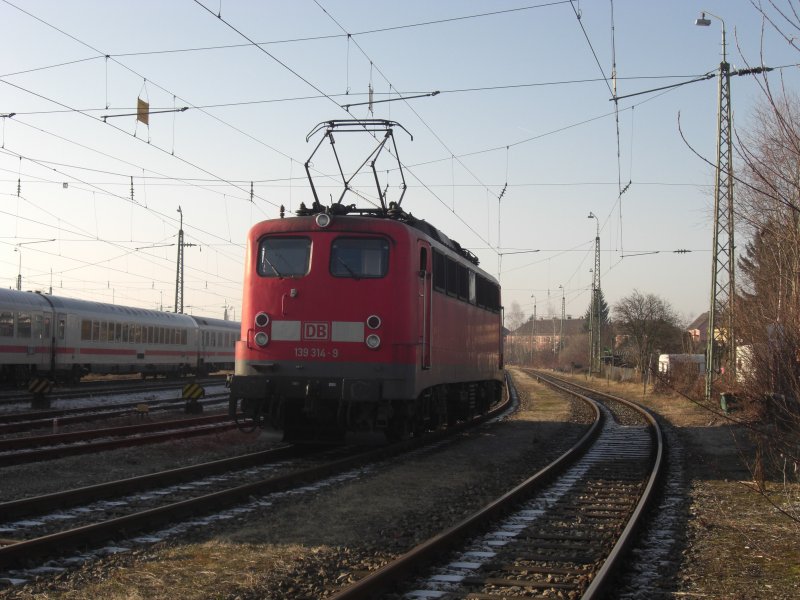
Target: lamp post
(721, 342)
(594, 317)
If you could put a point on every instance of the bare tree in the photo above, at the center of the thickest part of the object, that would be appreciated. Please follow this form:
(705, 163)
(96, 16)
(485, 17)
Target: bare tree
(647, 323)
(514, 317)
(767, 314)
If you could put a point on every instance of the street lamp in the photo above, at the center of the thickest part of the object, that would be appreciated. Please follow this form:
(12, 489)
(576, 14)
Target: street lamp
(723, 290)
(703, 22)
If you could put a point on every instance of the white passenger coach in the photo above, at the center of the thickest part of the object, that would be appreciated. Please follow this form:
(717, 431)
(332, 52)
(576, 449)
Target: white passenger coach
(65, 338)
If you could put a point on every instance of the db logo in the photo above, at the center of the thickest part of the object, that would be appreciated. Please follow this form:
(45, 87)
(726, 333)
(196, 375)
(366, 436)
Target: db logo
(315, 331)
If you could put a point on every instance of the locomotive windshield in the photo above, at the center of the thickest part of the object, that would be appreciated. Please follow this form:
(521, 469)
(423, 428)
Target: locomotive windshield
(359, 257)
(284, 256)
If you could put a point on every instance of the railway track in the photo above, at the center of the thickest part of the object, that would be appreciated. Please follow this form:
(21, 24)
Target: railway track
(561, 533)
(11, 397)
(30, 539)
(29, 421)
(19, 450)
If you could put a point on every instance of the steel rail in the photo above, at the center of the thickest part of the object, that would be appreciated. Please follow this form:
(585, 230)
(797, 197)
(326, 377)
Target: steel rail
(52, 439)
(89, 388)
(135, 439)
(404, 566)
(24, 551)
(86, 415)
(600, 583)
(25, 507)
(9, 420)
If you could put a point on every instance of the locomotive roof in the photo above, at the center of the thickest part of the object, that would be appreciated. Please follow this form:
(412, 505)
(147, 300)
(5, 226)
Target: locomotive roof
(392, 213)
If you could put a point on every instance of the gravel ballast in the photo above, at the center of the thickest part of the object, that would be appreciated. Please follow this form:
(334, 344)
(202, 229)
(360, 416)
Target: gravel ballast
(307, 546)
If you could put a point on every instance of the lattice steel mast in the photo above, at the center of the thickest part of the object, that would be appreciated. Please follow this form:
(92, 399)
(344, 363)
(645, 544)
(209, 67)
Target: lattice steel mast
(721, 339)
(594, 317)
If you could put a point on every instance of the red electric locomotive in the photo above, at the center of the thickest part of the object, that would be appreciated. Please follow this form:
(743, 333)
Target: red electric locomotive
(363, 319)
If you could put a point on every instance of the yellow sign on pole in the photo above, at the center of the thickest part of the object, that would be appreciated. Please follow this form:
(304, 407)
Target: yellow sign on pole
(143, 111)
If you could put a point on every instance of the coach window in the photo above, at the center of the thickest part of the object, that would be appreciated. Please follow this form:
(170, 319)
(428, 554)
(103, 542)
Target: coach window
(62, 327)
(6, 324)
(284, 256)
(359, 258)
(23, 325)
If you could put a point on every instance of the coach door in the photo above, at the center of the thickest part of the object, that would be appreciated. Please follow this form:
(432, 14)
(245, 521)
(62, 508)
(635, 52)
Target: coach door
(425, 303)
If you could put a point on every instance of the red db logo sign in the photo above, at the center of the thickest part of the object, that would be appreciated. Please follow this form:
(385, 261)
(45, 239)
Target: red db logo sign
(315, 331)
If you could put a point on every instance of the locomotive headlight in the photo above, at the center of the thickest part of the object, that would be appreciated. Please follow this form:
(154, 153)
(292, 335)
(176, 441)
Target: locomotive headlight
(373, 341)
(323, 220)
(373, 321)
(262, 319)
(261, 339)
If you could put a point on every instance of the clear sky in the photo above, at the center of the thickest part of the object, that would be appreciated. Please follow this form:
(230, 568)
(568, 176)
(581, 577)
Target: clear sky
(89, 197)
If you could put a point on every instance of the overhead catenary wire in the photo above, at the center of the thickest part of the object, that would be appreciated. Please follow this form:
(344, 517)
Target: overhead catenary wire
(512, 188)
(290, 40)
(88, 235)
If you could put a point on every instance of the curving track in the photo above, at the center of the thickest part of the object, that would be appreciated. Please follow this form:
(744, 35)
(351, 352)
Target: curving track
(561, 533)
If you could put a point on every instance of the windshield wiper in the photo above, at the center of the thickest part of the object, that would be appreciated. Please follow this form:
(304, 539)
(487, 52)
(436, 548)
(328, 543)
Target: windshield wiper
(349, 270)
(271, 266)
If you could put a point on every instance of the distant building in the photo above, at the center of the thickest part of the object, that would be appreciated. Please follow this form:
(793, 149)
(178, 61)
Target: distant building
(546, 335)
(698, 332)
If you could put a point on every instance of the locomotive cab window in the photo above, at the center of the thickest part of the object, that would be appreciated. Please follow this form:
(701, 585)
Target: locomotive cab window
(359, 258)
(284, 256)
